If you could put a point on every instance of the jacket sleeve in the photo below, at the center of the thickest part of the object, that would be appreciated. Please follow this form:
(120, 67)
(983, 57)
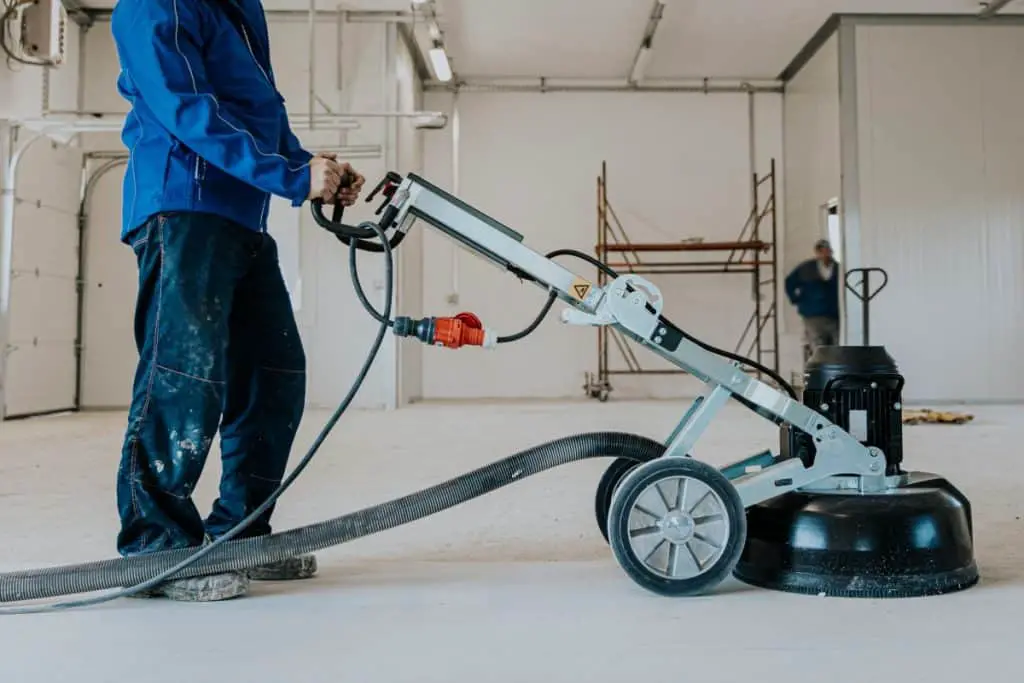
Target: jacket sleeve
(292, 148)
(158, 44)
(793, 284)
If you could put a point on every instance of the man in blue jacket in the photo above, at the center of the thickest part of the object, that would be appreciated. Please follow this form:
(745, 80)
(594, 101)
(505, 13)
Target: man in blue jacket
(218, 344)
(813, 287)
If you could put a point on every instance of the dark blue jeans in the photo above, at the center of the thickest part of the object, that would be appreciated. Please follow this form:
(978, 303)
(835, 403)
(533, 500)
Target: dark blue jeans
(218, 349)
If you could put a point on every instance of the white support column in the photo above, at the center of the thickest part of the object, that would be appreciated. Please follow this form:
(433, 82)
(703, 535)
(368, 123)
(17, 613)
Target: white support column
(6, 241)
(849, 203)
(390, 80)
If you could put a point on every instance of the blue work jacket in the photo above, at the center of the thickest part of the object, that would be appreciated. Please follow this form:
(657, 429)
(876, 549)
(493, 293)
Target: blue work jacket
(207, 131)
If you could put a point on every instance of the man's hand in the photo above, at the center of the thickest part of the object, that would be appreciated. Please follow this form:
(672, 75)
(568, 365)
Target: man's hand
(324, 178)
(342, 173)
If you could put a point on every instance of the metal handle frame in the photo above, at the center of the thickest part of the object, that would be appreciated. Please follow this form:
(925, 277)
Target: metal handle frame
(633, 306)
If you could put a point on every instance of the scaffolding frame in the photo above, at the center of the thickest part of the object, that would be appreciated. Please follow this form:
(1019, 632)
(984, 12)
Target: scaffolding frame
(753, 253)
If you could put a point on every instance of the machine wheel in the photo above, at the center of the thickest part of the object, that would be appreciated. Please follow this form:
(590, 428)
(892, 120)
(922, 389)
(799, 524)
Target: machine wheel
(610, 481)
(677, 526)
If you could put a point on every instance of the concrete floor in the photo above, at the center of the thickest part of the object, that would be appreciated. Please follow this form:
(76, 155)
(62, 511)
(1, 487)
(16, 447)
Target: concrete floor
(517, 586)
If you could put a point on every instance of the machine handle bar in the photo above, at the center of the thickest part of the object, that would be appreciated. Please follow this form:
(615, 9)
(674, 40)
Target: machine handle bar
(360, 234)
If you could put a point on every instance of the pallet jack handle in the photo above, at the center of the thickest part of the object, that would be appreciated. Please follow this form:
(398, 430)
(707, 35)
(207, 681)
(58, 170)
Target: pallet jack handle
(862, 290)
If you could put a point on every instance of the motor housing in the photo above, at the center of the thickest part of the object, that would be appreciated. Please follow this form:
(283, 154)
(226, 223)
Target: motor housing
(859, 388)
(913, 537)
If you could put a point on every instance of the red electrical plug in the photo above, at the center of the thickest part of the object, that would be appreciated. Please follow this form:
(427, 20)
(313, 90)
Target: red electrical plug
(465, 329)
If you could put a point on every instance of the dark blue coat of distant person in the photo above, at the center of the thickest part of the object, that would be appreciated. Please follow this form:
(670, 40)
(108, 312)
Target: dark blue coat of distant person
(813, 295)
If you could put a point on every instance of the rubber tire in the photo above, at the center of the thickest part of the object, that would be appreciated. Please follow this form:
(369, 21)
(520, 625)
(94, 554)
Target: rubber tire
(630, 489)
(610, 480)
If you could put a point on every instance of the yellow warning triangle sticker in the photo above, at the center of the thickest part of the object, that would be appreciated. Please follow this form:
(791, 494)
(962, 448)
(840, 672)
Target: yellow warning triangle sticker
(580, 288)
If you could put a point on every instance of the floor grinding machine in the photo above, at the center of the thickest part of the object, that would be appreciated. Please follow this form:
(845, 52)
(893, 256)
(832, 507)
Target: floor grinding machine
(832, 513)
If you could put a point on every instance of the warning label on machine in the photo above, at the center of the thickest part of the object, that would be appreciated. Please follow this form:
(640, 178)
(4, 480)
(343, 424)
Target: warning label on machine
(580, 288)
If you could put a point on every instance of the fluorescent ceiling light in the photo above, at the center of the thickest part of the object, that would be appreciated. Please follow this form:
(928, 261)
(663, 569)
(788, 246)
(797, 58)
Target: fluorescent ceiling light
(439, 59)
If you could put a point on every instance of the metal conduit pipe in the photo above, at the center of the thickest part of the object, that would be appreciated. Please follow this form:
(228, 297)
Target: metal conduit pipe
(311, 26)
(453, 298)
(338, 119)
(296, 15)
(350, 152)
(545, 85)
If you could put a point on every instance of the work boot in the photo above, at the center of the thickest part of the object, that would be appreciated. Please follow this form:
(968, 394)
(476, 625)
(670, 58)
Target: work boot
(289, 569)
(210, 588)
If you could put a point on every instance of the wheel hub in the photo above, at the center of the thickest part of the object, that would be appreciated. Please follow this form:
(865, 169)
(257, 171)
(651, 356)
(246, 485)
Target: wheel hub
(676, 527)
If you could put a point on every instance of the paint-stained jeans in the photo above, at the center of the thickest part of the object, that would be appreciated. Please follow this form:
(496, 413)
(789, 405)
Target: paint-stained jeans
(218, 347)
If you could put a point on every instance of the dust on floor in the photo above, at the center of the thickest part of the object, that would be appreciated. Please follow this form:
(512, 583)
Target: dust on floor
(517, 586)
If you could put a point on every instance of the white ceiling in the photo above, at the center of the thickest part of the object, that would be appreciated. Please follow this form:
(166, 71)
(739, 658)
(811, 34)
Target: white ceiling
(598, 38)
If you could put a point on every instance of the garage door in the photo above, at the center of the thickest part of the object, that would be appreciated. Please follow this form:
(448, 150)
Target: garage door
(110, 283)
(42, 327)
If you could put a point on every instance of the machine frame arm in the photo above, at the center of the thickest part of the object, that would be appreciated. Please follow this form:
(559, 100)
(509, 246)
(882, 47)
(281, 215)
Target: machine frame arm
(633, 305)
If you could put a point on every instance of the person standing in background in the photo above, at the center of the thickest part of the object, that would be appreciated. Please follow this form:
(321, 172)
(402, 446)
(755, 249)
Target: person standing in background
(813, 287)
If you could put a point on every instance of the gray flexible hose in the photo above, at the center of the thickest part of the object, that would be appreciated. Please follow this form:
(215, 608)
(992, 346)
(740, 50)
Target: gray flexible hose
(248, 553)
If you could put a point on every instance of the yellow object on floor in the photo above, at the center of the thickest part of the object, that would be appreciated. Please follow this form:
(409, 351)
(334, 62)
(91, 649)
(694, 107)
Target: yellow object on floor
(928, 416)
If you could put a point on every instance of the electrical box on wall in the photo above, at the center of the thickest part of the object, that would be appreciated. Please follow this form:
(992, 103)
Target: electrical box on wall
(43, 27)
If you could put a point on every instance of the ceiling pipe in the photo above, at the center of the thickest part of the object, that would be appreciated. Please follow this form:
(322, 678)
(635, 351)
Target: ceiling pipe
(353, 16)
(643, 54)
(990, 9)
(113, 123)
(549, 85)
(346, 151)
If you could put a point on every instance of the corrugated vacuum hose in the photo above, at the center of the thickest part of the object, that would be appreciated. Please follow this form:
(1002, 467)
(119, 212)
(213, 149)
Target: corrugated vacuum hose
(242, 554)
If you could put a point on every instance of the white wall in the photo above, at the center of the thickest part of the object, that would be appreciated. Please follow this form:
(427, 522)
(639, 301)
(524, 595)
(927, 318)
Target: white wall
(812, 170)
(37, 296)
(678, 166)
(941, 158)
(376, 76)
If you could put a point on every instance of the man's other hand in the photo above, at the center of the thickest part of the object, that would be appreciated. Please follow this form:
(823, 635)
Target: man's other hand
(324, 178)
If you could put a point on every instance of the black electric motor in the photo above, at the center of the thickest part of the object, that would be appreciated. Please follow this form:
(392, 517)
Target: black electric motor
(859, 389)
(914, 537)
